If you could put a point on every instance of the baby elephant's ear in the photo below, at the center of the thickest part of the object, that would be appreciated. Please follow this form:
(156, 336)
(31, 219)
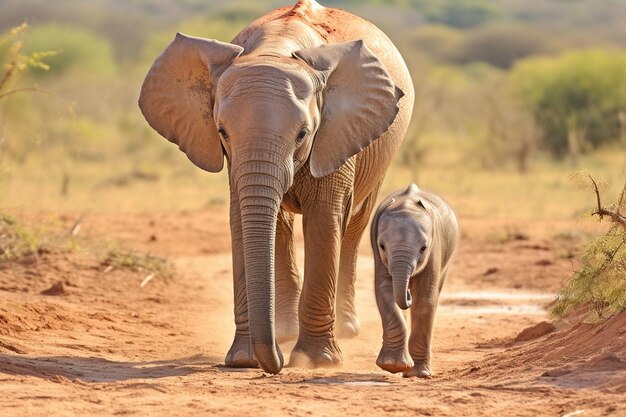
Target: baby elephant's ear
(177, 96)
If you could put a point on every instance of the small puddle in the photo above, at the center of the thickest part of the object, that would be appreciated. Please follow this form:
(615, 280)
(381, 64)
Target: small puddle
(366, 383)
(495, 302)
(495, 309)
(492, 295)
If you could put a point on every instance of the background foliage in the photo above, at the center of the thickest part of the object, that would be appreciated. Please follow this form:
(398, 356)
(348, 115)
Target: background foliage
(511, 95)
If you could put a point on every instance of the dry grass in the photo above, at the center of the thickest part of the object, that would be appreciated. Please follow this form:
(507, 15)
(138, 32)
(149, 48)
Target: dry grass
(117, 257)
(126, 183)
(19, 240)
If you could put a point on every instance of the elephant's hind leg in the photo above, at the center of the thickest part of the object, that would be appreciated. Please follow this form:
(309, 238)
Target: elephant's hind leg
(288, 282)
(348, 324)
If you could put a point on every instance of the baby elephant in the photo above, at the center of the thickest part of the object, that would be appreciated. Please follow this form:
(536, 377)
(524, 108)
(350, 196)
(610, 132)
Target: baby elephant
(414, 234)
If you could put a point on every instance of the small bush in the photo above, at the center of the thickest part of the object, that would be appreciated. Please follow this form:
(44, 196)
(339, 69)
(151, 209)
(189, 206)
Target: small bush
(576, 98)
(124, 258)
(601, 281)
(19, 241)
(500, 46)
(458, 13)
(80, 50)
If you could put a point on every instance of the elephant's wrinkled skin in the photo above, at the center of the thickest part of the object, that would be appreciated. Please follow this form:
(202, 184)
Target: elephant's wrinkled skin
(414, 234)
(308, 105)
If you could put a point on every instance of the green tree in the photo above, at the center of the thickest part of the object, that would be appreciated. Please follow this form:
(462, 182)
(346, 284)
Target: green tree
(576, 98)
(81, 50)
(458, 13)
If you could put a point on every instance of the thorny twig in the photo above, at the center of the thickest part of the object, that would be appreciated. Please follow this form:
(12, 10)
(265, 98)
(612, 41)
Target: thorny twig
(601, 212)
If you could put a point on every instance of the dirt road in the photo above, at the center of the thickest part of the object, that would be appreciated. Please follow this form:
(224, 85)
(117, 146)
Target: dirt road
(105, 346)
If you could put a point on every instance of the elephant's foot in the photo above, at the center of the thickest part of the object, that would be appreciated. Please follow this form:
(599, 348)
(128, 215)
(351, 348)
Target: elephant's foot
(287, 329)
(348, 325)
(316, 352)
(421, 369)
(240, 354)
(394, 360)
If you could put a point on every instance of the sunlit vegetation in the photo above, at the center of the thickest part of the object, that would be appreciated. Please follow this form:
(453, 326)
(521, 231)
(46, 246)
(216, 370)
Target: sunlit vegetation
(600, 283)
(511, 96)
(124, 258)
(25, 241)
(578, 98)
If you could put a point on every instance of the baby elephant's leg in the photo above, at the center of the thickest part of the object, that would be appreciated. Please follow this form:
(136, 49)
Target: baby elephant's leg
(425, 294)
(394, 356)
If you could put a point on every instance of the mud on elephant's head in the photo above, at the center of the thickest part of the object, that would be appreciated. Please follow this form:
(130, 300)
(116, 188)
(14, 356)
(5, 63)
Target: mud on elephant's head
(271, 111)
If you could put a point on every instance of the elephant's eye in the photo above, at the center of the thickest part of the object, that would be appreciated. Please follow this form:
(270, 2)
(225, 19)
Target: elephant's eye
(223, 134)
(302, 135)
(423, 249)
(382, 247)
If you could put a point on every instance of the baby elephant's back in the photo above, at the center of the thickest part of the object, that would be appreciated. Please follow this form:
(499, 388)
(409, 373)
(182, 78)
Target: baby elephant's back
(444, 220)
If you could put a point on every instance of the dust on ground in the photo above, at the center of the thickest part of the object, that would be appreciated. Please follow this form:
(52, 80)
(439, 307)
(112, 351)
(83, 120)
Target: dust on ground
(80, 339)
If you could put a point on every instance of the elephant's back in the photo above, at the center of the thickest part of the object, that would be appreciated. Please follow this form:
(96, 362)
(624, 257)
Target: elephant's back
(336, 26)
(374, 160)
(446, 221)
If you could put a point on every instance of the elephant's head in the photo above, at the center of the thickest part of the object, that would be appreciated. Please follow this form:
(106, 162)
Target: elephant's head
(405, 231)
(268, 115)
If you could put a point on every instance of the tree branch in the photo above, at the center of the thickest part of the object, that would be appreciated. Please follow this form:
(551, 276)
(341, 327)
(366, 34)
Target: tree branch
(68, 106)
(602, 212)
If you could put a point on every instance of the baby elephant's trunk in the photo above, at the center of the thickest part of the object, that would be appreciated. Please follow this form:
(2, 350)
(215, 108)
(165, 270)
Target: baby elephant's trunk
(401, 271)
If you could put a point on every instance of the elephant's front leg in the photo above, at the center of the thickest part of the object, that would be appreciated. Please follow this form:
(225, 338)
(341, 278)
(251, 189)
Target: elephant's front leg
(317, 345)
(240, 354)
(394, 355)
(288, 283)
(425, 293)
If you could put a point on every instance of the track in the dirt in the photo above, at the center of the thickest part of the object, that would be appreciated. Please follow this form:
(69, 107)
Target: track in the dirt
(110, 347)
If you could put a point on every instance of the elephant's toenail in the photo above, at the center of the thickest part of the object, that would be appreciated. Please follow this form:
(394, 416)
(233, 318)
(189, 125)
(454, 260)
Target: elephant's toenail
(240, 355)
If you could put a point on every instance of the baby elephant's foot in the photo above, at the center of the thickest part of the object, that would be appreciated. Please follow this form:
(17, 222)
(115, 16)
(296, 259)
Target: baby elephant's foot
(394, 360)
(348, 326)
(316, 352)
(421, 369)
(240, 354)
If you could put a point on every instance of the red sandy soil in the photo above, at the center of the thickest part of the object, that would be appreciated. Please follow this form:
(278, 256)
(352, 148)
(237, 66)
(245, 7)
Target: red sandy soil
(99, 344)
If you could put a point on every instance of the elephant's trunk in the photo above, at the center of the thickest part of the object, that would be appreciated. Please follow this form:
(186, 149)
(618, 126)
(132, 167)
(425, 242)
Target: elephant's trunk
(260, 192)
(401, 267)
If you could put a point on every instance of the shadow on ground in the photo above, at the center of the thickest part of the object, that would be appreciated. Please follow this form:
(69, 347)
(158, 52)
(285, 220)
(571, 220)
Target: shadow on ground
(94, 369)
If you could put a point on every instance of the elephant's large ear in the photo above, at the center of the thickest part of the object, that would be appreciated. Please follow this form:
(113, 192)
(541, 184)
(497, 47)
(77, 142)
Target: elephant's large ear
(177, 96)
(360, 101)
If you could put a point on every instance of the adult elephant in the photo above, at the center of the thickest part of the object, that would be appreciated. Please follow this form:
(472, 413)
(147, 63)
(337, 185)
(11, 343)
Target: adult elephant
(308, 104)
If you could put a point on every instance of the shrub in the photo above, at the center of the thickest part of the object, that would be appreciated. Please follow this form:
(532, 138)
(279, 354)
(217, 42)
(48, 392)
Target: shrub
(576, 98)
(601, 281)
(499, 46)
(458, 13)
(437, 41)
(80, 49)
